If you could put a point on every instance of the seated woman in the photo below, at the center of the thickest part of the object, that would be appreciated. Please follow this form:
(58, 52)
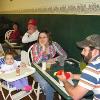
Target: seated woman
(53, 52)
(14, 34)
(10, 65)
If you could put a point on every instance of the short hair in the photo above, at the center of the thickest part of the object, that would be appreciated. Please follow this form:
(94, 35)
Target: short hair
(48, 36)
(9, 53)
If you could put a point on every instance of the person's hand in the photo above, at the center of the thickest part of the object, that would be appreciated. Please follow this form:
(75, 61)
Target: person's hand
(22, 64)
(62, 77)
(51, 61)
(2, 72)
(43, 46)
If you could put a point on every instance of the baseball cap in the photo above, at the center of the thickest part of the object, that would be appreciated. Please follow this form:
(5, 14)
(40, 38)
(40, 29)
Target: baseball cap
(90, 41)
(32, 22)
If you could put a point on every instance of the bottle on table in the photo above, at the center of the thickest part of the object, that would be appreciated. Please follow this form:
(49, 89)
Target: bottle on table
(18, 71)
(44, 62)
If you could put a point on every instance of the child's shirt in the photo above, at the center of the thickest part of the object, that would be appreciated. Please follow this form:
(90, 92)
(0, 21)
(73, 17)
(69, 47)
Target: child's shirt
(8, 68)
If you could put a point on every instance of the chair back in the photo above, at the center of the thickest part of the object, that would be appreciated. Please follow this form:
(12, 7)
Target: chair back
(1, 48)
(30, 57)
(7, 34)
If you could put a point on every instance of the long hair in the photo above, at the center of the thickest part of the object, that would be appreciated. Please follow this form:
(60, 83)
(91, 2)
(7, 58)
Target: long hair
(48, 36)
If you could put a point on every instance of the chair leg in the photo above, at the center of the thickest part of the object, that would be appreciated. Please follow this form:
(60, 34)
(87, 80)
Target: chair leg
(30, 97)
(33, 84)
(8, 96)
(59, 97)
(2, 93)
(38, 92)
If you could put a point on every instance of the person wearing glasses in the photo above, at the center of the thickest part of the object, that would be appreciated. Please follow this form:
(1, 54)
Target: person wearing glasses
(50, 51)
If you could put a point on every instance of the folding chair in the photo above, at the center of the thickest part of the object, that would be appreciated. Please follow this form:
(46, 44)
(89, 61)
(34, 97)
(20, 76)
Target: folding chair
(1, 48)
(37, 90)
(7, 34)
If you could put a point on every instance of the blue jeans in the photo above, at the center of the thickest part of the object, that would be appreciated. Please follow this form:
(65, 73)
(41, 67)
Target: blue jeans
(45, 86)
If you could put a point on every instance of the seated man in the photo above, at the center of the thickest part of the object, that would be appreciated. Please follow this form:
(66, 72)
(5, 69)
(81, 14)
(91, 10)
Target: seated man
(29, 38)
(90, 77)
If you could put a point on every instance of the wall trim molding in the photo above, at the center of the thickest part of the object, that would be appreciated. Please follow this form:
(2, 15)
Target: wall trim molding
(79, 9)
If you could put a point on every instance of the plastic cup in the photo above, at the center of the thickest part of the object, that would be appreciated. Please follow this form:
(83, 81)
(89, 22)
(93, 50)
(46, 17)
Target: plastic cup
(48, 66)
(44, 66)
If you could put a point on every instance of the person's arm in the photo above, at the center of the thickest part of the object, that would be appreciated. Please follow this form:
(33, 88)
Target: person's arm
(75, 92)
(29, 38)
(60, 51)
(25, 38)
(61, 54)
(15, 36)
(76, 76)
(3, 68)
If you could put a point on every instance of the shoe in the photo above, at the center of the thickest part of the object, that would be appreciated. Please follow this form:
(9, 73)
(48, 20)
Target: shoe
(27, 88)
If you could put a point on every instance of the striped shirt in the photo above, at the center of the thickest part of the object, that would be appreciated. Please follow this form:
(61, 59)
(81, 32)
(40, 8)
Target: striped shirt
(2, 61)
(54, 48)
(90, 78)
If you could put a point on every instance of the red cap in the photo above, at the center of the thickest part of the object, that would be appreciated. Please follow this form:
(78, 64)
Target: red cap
(32, 21)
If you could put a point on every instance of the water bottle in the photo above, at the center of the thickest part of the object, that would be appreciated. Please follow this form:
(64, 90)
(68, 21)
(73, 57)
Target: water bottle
(18, 71)
(44, 60)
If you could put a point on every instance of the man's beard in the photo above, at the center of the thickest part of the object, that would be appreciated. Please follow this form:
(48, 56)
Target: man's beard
(87, 58)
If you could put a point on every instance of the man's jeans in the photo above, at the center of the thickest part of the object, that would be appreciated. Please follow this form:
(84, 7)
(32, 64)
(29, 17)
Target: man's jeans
(45, 86)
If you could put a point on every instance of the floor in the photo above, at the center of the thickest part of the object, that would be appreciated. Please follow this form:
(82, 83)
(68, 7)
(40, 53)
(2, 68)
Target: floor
(42, 97)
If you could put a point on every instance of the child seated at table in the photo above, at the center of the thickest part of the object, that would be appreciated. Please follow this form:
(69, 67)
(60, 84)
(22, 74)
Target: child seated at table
(10, 65)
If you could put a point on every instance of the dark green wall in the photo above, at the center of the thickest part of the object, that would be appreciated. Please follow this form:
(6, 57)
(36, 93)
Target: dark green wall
(66, 29)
